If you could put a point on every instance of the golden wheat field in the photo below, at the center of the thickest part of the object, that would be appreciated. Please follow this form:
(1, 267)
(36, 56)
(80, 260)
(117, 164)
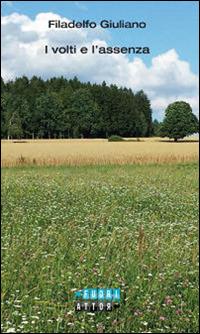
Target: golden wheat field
(96, 151)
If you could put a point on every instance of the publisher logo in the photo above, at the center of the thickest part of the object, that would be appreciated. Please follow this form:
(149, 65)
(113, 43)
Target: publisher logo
(97, 299)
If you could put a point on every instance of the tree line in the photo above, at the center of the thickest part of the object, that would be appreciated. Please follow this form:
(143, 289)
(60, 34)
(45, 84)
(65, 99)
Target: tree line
(62, 108)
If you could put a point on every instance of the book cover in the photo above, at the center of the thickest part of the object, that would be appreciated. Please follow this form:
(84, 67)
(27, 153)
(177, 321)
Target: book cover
(99, 165)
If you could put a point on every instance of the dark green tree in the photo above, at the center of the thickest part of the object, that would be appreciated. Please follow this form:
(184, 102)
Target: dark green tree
(62, 108)
(143, 106)
(179, 121)
(141, 125)
(15, 127)
(48, 110)
(83, 113)
(156, 128)
(11, 116)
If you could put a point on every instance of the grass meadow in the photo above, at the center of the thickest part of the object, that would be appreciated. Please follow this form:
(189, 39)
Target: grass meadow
(129, 223)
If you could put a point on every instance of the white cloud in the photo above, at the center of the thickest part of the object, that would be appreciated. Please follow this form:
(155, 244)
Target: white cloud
(167, 79)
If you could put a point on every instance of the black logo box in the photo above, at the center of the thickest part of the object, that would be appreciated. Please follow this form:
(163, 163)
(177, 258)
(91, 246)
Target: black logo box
(94, 306)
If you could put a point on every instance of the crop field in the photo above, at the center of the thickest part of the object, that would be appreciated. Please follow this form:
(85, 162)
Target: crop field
(130, 226)
(96, 152)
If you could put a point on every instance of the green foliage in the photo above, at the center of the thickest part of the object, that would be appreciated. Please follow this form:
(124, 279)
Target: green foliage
(141, 125)
(115, 138)
(11, 115)
(61, 108)
(144, 114)
(83, 112)
(14, 127)
(179, 121)
(156, 126)
(48, 115)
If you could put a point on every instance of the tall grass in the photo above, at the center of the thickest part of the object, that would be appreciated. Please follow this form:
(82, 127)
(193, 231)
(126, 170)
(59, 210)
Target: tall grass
(133, 227)
(96, 152)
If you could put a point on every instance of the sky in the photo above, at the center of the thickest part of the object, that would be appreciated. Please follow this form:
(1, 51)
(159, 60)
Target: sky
(168, 73)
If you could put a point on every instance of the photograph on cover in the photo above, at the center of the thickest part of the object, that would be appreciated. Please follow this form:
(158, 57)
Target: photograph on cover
(99, 166)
